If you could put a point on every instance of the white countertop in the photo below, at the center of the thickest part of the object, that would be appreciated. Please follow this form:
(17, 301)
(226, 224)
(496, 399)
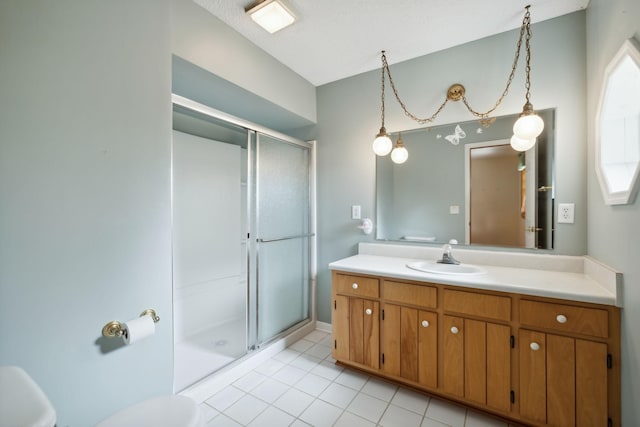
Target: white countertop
(569, 285)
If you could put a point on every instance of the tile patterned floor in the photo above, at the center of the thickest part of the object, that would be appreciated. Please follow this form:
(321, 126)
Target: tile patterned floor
(301, 386)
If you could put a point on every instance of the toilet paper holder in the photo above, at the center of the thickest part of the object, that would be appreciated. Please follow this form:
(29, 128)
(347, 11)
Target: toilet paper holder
(117, 329)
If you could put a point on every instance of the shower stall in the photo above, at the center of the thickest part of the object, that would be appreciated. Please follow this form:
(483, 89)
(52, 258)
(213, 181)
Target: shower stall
(243, 238)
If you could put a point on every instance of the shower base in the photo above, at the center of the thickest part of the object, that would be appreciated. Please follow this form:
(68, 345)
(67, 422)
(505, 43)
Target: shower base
(201, 354)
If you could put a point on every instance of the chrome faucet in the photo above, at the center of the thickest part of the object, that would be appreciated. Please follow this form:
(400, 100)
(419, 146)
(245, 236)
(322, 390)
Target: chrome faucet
(447, 258)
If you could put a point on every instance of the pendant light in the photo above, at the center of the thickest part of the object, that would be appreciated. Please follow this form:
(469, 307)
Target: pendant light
(526, 129)
(529, 125)
(399, 154)
(382, 145)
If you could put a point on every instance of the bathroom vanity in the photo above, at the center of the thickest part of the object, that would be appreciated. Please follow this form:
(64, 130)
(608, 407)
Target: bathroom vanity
(533, 338)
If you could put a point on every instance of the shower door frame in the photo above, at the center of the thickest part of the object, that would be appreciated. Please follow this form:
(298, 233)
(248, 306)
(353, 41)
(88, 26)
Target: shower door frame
(253, 130)
(257, 240)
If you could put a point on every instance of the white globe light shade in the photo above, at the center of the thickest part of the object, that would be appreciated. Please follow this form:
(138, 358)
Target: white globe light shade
(528, 126)
(520, 144)
(382, 145)
(399, 155)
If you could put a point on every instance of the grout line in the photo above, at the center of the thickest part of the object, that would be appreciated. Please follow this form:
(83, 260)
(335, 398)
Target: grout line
(331, 381)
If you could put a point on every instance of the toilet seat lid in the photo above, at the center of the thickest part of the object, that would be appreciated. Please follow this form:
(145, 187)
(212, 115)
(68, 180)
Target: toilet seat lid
(22, 401)
(163, 411)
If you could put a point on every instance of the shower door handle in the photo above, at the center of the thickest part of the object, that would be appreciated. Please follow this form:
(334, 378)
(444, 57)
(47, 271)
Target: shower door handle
(300, 236)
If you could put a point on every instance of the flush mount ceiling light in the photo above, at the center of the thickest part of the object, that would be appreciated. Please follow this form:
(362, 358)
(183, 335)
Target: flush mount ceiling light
(272, 15)
(526, 129)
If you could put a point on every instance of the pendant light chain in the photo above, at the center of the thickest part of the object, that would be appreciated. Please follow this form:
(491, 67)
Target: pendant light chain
(385, 67)
(382, 103)
(524, 28)
(527, 67)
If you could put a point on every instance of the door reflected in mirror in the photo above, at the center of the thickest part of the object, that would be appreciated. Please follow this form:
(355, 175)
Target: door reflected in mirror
(475, 189)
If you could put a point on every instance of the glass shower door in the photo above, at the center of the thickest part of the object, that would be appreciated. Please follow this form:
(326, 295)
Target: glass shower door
(283, 235)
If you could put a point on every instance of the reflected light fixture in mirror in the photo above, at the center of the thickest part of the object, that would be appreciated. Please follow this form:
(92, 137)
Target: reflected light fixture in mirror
(520, 144)
(399, 154)
(272, 15)
(526, 129)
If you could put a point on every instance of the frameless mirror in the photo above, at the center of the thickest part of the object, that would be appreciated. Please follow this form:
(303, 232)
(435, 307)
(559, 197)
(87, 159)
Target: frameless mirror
(617, 149)
(463, 181)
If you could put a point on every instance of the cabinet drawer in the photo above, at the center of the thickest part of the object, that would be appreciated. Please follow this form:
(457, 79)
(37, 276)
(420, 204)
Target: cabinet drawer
(565, 318)
(477, 304)
(357, 285)
(423, 296)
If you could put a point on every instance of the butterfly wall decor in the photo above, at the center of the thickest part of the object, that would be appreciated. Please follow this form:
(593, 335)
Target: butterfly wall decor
(456, 136)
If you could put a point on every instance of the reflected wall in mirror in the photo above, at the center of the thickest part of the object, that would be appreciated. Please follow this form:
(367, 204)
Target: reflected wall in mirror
(463, 181)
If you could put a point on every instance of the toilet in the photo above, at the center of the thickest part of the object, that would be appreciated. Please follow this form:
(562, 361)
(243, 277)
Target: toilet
(24, 404)
(163, 411)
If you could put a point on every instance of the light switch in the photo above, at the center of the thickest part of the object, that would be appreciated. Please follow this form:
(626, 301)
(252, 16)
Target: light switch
(355, 212)
(454, 209)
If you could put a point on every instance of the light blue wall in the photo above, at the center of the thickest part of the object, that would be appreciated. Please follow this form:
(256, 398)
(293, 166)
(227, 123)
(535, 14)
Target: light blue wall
(85, 236)
(349, 117)
(207, 88)
(84, 170)
(614, 231)
(85, 134)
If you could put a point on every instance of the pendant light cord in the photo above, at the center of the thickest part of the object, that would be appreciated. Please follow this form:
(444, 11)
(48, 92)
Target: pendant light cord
(382, 96)
(484, 116)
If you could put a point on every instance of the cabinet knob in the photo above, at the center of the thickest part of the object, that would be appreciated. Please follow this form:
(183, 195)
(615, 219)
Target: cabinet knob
(561, 318)
(454, 330)
(534, 346)
(368, 311)
(425, 323)
(354, 286)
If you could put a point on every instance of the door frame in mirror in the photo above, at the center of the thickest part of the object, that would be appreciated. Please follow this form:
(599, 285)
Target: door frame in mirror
(527, 193)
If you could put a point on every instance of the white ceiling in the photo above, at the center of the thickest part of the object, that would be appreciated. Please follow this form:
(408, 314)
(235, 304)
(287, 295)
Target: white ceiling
(334, 39)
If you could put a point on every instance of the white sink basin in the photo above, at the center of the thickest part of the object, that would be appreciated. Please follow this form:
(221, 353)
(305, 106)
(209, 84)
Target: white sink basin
(452, 269)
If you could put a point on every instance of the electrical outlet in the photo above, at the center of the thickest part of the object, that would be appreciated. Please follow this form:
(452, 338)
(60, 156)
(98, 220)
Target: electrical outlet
(566, 213)
(355, 212)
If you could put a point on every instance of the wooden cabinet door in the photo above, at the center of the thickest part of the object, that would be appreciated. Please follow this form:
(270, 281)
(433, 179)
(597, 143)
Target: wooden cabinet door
(428, 348)
(410, 344)
(453, 355)
(364, 337)
(340, 327)
(533, 375)
(563, 380)
(477, 361)
(499, 367)
(591, 384)
(487, 364)
(391, 339)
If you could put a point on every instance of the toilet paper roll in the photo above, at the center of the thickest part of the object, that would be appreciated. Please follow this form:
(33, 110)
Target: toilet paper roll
(137, 329)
